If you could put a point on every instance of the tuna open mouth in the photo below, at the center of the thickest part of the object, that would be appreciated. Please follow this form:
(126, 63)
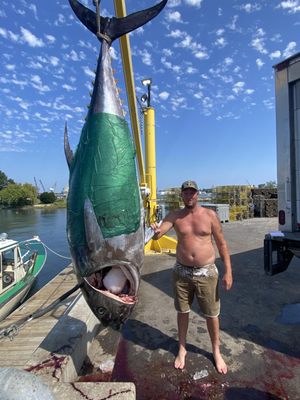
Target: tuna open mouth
(115, 282)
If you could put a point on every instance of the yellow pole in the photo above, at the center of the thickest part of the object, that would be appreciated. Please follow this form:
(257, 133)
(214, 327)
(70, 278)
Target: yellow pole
(120, 10)
(165, 243)
(149, 123)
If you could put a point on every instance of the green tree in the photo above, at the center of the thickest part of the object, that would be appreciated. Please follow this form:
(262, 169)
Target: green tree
(4, 181)
(172, 199)
(47, 197)
(18, 195)
(268, 185)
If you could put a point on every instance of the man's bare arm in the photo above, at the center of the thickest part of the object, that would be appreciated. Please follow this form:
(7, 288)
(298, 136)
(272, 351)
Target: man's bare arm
(223, 251)
(164, 227)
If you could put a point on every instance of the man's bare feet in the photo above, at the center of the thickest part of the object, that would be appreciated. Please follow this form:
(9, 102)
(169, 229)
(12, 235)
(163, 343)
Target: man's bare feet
(180, 359)
(220, 363)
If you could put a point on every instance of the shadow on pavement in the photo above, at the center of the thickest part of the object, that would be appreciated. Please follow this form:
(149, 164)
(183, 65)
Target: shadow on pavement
(248, 394)
(151, 338)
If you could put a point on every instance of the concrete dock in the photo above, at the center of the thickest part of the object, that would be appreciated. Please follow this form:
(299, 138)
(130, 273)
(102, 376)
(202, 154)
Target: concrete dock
(80, 358)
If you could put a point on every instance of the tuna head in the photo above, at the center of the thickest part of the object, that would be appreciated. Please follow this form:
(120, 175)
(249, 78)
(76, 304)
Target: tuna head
(109, 269)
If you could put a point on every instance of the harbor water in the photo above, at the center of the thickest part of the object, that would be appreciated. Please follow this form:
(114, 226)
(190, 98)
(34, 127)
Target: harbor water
(50, 226)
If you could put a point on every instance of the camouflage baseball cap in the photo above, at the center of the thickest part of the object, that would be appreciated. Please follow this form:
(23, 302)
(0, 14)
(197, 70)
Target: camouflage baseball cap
(189, 185)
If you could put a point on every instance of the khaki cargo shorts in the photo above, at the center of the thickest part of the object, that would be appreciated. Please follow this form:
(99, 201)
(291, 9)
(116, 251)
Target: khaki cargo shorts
(201, 282)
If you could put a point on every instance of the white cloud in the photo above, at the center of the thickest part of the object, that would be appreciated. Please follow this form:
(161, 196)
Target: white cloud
(33, 8)
(54, 61)
(232, 25)
(36, 82)
(221, 42)
(228, 61)
(31, 39)
(146, 57)
(9, 35)
(167, 52)
(173, 3)
(51, 39)
(10, 67)
(60, 21)
(290, 49)
(238, 87)
(249, 8)
(194, 3)
(68, 88)
(178, 101)
(258, 43)
(164, 95)
(292, 6)
(187, 42)
(201, 55)
(75, 56)
(259, 63)
(167, 64)
(174, 16)
(268, 104)
(191, 70)
(275, 54)
(89, 72)
(176, 34)
(198, 95)
(220, 32)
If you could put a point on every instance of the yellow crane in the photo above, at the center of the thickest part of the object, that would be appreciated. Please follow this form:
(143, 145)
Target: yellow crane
(147, 175)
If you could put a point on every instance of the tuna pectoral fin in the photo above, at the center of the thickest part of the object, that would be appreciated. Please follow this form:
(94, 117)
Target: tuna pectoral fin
(68, 151)
(93, 232)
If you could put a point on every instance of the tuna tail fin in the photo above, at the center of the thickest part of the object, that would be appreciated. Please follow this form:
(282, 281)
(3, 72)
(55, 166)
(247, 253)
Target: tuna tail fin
(68, 152)
(113, 28)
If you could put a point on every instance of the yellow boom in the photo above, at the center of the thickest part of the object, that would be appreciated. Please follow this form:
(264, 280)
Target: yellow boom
(148, 180)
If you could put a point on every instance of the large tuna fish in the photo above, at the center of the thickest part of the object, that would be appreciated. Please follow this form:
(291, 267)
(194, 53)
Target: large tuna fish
(104, 210)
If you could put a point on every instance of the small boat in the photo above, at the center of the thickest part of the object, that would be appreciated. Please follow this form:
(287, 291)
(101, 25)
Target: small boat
(20, 264)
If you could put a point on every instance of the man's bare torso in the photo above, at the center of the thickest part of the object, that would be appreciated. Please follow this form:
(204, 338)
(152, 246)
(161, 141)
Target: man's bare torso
(194, 235)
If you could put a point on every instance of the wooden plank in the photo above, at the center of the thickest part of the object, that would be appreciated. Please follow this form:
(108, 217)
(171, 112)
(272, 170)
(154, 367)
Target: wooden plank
(17, 352)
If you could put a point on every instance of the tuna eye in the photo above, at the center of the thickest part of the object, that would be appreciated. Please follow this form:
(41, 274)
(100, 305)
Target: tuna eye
(101, 311)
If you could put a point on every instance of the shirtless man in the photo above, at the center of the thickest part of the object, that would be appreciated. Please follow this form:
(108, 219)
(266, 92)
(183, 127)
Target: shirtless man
(195, 272)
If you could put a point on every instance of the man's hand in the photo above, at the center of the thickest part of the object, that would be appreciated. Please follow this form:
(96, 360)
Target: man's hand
(155, 227)
(227, 281)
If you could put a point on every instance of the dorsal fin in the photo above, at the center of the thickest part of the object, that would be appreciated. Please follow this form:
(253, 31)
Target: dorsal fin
(68, 152)
(115, 27)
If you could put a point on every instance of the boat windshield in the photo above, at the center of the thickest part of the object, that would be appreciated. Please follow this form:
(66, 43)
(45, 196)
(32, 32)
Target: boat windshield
(8, 258)
(8, 266)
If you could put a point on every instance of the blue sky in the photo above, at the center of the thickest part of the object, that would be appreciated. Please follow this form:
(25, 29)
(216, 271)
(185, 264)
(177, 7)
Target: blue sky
(213, 86)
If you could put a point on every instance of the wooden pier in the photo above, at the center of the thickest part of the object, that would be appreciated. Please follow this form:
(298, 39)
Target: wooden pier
(18, 350)
(55, 345)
